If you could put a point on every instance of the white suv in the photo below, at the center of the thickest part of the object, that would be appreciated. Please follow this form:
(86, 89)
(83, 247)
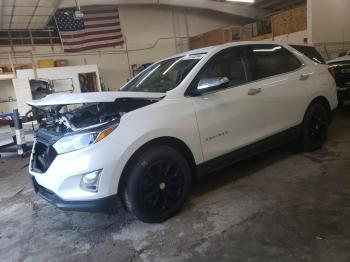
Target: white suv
(182, 117)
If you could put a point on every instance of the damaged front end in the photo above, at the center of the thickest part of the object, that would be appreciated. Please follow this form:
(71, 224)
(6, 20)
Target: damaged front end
(66, 125)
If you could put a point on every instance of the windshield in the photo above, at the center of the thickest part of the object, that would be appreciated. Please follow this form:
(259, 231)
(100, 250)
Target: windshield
(163, 76)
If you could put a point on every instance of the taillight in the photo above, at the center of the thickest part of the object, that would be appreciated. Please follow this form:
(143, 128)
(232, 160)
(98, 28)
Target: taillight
(332, 71)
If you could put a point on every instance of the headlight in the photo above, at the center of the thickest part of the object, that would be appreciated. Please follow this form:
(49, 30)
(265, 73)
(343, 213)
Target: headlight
(71, 143)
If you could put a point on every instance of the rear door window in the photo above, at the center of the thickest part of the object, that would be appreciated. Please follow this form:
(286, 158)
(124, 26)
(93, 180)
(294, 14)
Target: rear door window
(270, 60)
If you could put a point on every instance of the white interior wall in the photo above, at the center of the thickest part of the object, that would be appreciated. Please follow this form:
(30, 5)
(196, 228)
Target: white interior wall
(7, 91)
(61, 73)
(330, 20)
(328, 24)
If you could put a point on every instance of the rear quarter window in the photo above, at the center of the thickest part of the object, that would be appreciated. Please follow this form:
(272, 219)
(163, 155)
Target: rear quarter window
(269, 60)
(310, 52)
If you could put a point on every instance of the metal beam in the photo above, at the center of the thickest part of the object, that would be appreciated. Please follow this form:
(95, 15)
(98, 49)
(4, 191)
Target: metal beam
(1, 13)
(276, 4)
(268, 4)
(242, 10)
(12, 13)
(33, 13)
(284, 5)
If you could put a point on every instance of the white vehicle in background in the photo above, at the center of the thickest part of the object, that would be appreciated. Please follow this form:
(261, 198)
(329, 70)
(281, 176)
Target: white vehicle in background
(182, 117)
(340, 60)
(347, 53)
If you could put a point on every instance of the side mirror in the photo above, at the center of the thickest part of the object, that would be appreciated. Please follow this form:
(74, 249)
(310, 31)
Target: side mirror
(210, 84)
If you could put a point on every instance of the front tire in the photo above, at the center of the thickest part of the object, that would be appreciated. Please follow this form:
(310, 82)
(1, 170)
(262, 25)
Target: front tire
(315, 127)
(158, 184)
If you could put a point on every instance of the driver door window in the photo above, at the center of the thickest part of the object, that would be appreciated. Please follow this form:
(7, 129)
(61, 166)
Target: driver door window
(229, 63)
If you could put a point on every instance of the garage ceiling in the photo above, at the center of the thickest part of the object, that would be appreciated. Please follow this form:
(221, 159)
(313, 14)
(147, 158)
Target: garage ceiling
(26, 14)
(35, 14)
(276, 5)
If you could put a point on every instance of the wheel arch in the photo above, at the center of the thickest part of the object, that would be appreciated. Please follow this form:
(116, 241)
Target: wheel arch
(173, 142)
(323, 101)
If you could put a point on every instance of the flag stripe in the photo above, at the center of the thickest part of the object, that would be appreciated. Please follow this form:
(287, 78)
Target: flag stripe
(86, 19)
(102, 25)
(100, 15)
(89, 31)
(88, 34)
(93, 47)
(84, 41)
(83, 45)
(100, 12)
(90, 38)
(100, 22)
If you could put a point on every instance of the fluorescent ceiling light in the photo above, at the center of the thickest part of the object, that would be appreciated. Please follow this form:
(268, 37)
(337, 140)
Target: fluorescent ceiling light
(242, 1)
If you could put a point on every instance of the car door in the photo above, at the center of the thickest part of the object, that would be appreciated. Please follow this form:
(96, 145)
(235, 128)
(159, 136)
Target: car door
(283, 80)
(233, 117)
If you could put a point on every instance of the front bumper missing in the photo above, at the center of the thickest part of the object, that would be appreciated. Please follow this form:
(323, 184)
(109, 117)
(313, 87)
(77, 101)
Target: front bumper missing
(98, 205)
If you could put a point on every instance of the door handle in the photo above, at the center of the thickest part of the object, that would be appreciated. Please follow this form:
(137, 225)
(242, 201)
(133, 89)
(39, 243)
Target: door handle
(304, 76)
(254, 91)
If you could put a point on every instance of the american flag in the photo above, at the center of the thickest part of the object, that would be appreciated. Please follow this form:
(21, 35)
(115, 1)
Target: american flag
(99, 27)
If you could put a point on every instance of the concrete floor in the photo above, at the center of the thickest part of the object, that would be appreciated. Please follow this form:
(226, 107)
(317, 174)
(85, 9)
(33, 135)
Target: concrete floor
(280, 206)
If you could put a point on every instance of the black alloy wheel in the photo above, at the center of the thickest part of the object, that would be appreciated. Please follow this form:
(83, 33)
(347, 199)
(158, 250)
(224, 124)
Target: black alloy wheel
(315, 127)
(157, 185)
(318, 125)
(162, 185)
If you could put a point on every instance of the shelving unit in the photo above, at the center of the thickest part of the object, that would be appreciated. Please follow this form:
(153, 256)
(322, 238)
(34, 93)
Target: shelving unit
(282, 23)
(30, 38)
(10, 58)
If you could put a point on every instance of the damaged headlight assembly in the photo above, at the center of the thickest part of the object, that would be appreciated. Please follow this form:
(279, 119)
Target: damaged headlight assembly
(79, 141)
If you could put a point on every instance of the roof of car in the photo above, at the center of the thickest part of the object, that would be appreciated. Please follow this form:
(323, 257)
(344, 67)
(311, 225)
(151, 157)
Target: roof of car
(223, 46)
(302, 45)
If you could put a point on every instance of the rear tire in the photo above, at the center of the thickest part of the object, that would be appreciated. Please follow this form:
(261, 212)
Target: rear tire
(158, 184)
(315, 128)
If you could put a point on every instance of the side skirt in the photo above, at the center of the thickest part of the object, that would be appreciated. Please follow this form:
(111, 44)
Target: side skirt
(248, 151)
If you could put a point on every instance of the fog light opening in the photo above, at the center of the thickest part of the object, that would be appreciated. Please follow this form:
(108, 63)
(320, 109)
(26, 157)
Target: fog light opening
(89, 182)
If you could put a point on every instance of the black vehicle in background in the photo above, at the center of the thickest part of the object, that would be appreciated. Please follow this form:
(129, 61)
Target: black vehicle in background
(340, 68)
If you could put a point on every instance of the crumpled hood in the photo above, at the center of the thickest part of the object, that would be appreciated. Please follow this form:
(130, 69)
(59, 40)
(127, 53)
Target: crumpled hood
(93, 97)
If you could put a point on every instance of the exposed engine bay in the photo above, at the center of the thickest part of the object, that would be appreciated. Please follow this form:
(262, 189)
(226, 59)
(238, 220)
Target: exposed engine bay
(62, 119)
(77, 119)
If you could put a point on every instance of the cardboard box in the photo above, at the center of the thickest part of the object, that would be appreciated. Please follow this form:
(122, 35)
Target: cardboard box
(236, 33)
(247, 32)
(46, 63)
(214, 37)
(290, 21)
